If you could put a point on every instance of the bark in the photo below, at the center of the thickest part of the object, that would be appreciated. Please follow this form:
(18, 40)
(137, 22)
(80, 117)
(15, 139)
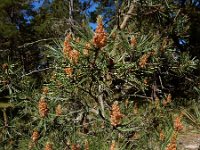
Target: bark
(71, 18)
(127, 16)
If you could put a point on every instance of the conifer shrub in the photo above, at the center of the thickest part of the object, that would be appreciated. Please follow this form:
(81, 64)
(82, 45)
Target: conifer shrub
(106, 91)
(110, 90)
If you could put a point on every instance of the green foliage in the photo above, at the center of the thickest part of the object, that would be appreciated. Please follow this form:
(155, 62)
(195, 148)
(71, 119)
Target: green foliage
(126, 93)
(10, 16)
(53, 18)
(113, 73)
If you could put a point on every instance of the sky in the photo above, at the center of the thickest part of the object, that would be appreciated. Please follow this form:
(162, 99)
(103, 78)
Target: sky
(38, 3)
(91, 9)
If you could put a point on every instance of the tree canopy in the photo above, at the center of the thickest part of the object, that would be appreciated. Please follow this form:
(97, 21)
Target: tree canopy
(130, 83)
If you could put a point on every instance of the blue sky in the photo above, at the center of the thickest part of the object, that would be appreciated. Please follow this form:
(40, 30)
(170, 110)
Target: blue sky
(38, 3)
(91, 9)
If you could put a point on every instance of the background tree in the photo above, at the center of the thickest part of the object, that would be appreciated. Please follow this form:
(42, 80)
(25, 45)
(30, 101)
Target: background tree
(12, 22)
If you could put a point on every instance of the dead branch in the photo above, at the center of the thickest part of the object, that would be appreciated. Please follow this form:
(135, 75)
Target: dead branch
(38, 41)
(34, 71)
(127, 16)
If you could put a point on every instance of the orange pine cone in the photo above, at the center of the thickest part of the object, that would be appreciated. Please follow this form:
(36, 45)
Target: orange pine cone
(162, 136)
(48, 146)
(45, 90)
(133, 41)
(143, 60)
(67, 46)
(100, 36)
(116, 116)
(86, 145)
(58, 110)
(113, 145)
(172, 145)
(178, 126)
(43, 109)
(75, 147)
(68, 71)
(35, 136)
(74, 56)
(5, 66)
(86, 49)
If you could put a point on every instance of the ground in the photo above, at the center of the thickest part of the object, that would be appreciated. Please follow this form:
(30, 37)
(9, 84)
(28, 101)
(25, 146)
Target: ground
(189, 141)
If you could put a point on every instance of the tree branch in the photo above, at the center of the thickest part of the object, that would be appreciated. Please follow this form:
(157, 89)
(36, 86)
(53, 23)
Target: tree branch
(127, 16)
(71, 17)
(38, 41)
(27, 44)
(34, 71)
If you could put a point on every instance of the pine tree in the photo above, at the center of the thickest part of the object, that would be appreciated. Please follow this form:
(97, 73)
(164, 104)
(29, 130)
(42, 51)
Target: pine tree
(121, 88)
